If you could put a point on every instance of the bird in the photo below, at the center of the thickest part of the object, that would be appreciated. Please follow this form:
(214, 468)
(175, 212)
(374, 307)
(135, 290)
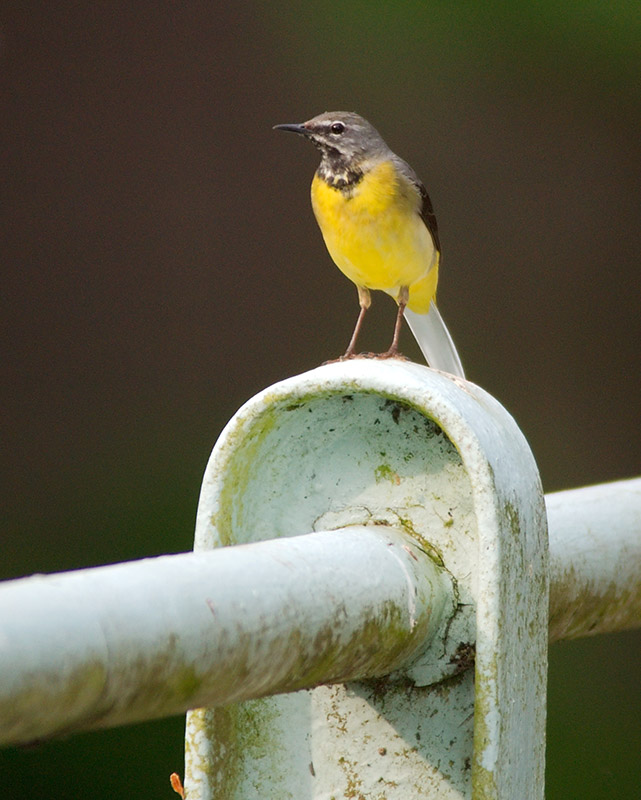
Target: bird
(379, 227)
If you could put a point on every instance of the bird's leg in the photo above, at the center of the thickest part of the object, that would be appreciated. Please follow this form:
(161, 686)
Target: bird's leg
(403, 297)
(365, 301)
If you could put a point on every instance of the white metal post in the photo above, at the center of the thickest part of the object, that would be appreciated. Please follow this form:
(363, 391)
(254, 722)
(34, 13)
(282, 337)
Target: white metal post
(396, 444)
(393, 544)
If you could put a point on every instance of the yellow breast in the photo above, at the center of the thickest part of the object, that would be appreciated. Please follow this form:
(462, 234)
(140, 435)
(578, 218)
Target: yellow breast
(376, 236)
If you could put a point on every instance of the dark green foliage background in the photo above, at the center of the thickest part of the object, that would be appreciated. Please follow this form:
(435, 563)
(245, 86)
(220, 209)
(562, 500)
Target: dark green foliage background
(161, 265)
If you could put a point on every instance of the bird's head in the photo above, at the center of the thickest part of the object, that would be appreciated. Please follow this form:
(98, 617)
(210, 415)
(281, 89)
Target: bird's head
(341, 136)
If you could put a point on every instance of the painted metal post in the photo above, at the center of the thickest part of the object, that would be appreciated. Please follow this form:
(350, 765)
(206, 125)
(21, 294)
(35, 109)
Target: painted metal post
(373, 443)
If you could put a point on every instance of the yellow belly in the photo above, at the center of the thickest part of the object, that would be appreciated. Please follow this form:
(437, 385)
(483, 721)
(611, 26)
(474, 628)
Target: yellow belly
(377, 238)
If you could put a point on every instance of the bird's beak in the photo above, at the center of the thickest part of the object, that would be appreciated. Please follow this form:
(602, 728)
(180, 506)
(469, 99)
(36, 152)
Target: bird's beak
(294, 128)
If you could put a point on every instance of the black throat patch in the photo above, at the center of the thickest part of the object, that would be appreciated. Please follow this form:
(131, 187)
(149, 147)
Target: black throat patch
(337, 172)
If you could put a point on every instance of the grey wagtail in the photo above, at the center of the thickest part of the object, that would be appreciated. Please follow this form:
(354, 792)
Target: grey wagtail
(379, 227)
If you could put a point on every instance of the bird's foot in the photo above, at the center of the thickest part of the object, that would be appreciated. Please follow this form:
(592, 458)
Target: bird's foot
(344, 357)
(391, 354)
(377, 356)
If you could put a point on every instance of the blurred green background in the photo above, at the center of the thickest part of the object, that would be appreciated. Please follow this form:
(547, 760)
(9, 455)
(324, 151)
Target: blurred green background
(162, 265)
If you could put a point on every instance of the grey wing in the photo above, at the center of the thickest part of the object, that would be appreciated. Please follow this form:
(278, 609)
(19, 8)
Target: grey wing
(426, 210)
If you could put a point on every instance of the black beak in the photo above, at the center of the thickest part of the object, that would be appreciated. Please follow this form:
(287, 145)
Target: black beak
(291, 127)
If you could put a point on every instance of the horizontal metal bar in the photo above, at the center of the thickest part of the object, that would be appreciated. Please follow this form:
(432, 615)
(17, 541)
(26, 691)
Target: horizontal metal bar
(595, 559)
(129, 642)
(124, 643)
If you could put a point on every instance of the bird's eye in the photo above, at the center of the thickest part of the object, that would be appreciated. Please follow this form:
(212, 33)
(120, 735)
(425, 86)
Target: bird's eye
(337, 127)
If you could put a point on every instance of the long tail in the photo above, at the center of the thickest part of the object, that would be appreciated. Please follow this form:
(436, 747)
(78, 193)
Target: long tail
(435, 341)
